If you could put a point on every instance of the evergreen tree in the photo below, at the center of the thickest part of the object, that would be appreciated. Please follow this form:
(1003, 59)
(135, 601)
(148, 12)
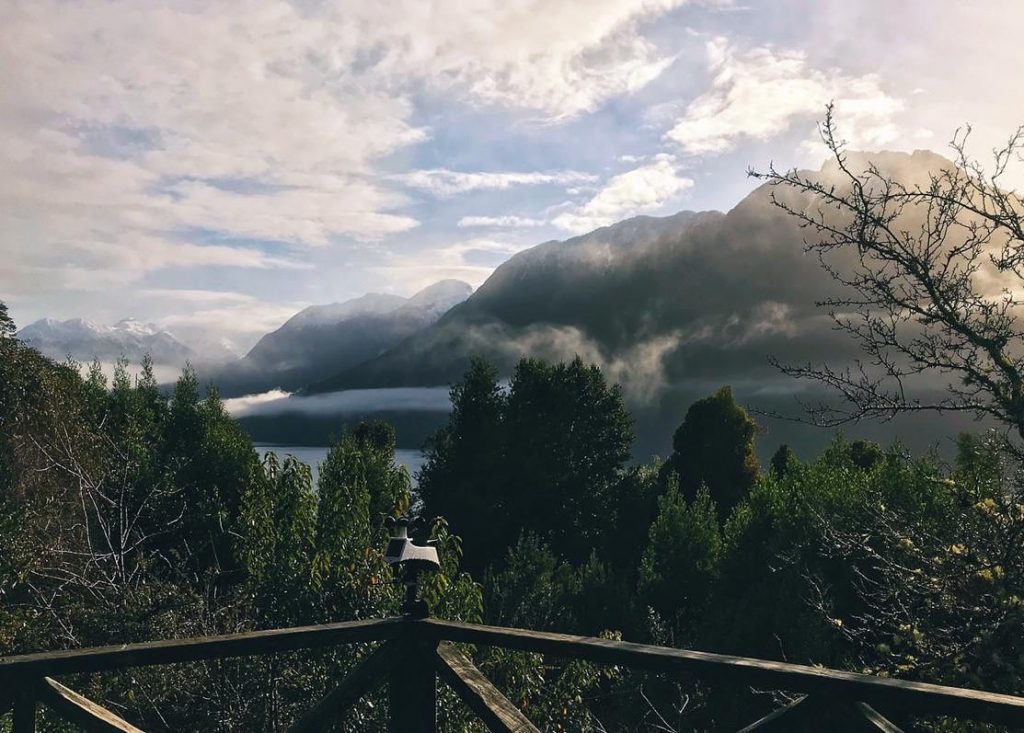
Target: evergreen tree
(547, 456)
(714, 447)
(783, 461)
(360, 484)
(680, 563)
(462, 477)
(569, 437)
(865, 454)
(7, 327)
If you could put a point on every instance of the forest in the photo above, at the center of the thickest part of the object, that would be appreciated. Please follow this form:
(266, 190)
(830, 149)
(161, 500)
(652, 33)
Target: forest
(130, 514)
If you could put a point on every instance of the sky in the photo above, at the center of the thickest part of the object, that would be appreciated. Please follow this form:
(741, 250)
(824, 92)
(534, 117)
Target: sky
(214, 167)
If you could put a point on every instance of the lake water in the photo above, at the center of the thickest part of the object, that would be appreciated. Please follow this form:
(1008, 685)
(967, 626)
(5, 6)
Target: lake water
(313, 455)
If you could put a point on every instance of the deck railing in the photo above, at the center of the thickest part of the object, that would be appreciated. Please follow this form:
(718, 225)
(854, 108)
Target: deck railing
(415, 653)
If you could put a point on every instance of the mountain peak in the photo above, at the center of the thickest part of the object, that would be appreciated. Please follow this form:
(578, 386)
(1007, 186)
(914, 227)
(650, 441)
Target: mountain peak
(908, 168)
(442, 293)
(368, 304)
(86, 341)
(131, 325)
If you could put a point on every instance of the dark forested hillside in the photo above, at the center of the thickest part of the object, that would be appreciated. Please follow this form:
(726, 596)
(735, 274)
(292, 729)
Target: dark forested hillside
(671, 308)
(320, 340)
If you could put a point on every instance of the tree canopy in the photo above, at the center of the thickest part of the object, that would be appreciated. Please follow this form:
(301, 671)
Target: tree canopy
(714, 447)
(128, 512)
(547, 452)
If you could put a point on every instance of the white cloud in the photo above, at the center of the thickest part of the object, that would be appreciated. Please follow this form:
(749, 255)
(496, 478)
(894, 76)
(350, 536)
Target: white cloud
(301, 216)
(235, 324)
(348, 402)
(760, 93)
(557, 57)
(500, 221)
(454, 260)
(187, 295)
(640, 190)
(442, 182)
(131, 132)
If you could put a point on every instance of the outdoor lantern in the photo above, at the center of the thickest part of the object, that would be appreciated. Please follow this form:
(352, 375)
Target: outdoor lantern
(408, 560)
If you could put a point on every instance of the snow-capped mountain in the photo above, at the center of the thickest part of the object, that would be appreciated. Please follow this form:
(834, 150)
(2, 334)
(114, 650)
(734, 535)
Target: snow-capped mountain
(86, 341)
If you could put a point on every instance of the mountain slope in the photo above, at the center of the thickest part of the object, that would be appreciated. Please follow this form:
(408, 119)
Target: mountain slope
(86, 341)
(671, 308)
(690, 297)
(320, 340)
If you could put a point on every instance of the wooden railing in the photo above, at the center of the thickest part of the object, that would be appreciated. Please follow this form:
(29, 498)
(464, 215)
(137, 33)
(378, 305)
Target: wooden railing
(417, 652)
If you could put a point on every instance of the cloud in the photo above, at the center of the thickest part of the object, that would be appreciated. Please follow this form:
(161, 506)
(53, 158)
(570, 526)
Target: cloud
(639, 368)
(348, 402)
(136, 137)
(760, 93)
(637, 191)
(558, 58)
(499, 221)
(459, 261)
(186, 295)
(232, 324)
(442, 182)
(308, 216)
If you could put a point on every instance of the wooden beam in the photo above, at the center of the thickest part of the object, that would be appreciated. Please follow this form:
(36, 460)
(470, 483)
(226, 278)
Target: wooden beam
(412, 689)
(889, 694)
(793, 716)
(814, 714)
(369, 673)
(174, 651)
(495, 710)
(872, 721)
(81, 711)
(24, 718)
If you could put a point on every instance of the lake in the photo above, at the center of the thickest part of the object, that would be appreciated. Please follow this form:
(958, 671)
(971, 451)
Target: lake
(312, 455)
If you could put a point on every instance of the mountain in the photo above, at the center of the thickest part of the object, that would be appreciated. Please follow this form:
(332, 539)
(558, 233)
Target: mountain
(670, 307)
(322, 339)
(86, 341)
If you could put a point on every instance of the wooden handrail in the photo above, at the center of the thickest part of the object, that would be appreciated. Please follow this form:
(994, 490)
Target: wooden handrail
(174, 651)
(889, 694)
(413, 675)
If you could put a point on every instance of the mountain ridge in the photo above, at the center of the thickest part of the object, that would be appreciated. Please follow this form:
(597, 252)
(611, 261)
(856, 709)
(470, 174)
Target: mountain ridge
(85, 341)
(320, 339)
(706, 281)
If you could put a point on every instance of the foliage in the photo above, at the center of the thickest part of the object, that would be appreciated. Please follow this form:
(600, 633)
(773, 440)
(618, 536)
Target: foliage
(130, 514)
(783, 461)
(537, 590)
(714, 447)
(547, 453)
(680, 564)
(461, 477)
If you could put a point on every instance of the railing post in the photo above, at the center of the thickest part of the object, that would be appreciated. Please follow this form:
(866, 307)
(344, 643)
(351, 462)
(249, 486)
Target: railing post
(24, 717)
(412, 688)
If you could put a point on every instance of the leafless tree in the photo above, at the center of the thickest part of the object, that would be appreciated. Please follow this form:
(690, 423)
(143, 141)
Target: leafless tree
(931, 275)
